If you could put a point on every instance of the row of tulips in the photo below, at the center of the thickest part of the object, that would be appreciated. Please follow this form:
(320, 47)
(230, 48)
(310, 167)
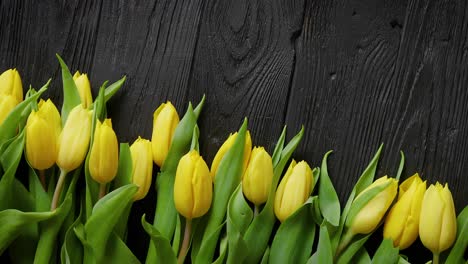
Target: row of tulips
(225, 213)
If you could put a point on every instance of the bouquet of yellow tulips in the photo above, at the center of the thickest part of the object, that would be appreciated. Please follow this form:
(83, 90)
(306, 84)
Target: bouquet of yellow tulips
(249, 206)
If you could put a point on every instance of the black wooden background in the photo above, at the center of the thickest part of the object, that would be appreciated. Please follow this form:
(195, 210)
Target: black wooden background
(355, 73)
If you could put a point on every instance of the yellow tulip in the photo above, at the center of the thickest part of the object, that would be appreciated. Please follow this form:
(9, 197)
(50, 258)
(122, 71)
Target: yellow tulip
(10, 84)
(7, 104)
(437, 223)
(192, 187)
(42, 134)
(294, 189)
(84, 88)
(142, 169)
(402, 222)
(368, 218)
(225, 147)
(257, 179)
(165, 120)
(74, 139)
(104, 156)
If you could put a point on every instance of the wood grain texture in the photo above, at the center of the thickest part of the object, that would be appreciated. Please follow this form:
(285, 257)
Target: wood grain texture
(355, 73)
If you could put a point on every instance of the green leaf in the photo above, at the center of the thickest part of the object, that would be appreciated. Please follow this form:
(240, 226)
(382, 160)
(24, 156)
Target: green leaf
(348, 254)
(124, 172)
(461, 244)
(258, 234)
(113, 88)
(177, 235)
(228, 177)
(279, 148)
(107, 210)
(362, 257)
(71, 97)
(196, 134)
(118, 252)
(72, 250)
(41, 198)
(324, 249)
(13, 221)
(164, 253)
(366, 179)
(15, 118)
(239, 216)
(295, 236)
(386, 253)
(48, 235)
(266, 256)
(328, 199)
(400, 167)
(223, 248)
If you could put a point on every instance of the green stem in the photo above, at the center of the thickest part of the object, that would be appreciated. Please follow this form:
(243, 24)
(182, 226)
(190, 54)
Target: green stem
(42, 178)
(256, 210)
(348, 236)
(186, 242)
(102, 190)
(435, 258)
(58, 189)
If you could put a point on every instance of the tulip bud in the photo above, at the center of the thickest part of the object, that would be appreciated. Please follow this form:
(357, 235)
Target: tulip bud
(402, 222)
(42, 133)
(142, 169)
(192, 187)
(165, 120)
(257, 179)
(10, 84)
(369, 216)
(225, 147)
(74, 139)
(437, 223)
(7, 104)
(104, 156)
(294, 189)
(84, 88)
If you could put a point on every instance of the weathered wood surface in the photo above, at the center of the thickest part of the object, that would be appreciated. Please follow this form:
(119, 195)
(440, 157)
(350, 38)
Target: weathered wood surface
(355, 73)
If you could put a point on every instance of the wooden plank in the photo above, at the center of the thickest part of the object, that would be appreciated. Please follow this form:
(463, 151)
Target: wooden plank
(373, 71)
(244, 64)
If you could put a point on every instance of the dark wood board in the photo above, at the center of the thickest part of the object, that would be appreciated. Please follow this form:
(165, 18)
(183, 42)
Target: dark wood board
(355, 73)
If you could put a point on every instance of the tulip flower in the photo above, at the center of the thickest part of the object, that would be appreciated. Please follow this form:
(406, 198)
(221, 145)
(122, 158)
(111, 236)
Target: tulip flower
(437, 223)
(192, 193)
(10, 84)
(256, 182)
(42, 133)
(84, 88)
(192, 187)
(165, 121)
(402, 222)
(7, 104)
(225, 147)
(142, 169)
(104, 156)
(74, 139)
(368, 217)
(293, 190)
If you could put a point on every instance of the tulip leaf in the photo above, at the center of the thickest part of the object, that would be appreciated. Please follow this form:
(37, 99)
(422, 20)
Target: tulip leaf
(386, 253)
(71, 96)
(113, 88)
(461, 244)
(324, 249)
(258, 234)
(266, 256)
(177, 235)
(41, 198)
(402, 260)
(199, 107)
(400, 166)
(295, 236)
(347, 255)
(228, 177)
(223, 249)
(72, 250)
(13, 221)
(279, 148)
(362, 257)
(239, 216)
(366, 179)
(118, 252)
(124, 172)
(328, 199)
(196, 134)
(15, 117)
(107, 210)
(164, 253)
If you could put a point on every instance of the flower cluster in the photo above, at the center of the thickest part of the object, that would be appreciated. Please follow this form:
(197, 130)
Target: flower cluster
(247, 207)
